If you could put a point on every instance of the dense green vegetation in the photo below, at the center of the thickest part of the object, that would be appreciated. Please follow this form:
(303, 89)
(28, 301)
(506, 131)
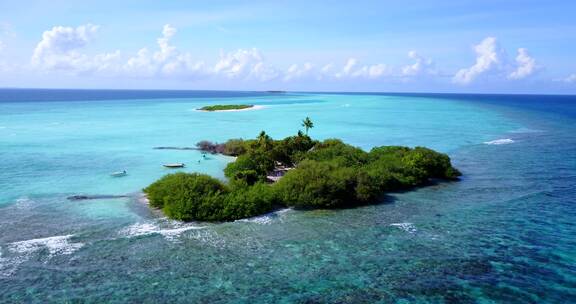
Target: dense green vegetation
(324, 174)
(225, 107)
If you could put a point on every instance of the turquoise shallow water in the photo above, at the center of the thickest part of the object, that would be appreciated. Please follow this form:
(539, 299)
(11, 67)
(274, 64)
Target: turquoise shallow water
(502, 234)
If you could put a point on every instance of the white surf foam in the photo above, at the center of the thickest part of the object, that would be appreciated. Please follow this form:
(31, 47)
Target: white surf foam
(9, 265)
(140, 229)
(262, 219)
(54, 244)
(172, 234)
(267, 218)
(408, 227)
(503, 141)
(22, 251)
(23, 203)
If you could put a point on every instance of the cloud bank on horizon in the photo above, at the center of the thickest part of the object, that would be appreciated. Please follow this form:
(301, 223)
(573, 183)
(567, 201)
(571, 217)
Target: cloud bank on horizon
(60, 49)
(66, 54)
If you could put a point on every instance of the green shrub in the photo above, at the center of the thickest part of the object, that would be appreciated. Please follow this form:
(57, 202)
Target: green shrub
(249, 201)
(251, 167)
(318, 185)
(290, 150)
(337, 151)
(434, 164)
(186, 196)
(328, 174)
(225, 107)
(235, 147)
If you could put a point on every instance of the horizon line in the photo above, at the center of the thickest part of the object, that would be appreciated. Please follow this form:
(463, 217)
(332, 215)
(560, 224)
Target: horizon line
(288, 91)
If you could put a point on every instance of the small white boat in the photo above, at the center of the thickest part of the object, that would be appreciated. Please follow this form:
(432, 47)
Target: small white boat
(174, 165)
(119, 173)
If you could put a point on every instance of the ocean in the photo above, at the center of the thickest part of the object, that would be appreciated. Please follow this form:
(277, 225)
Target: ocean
(504, 233)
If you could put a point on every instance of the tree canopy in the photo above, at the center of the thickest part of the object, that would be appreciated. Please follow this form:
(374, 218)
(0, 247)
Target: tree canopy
(320, 174)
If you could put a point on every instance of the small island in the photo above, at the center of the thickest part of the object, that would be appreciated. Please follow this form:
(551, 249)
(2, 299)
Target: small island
(225, 107)
(297, 172)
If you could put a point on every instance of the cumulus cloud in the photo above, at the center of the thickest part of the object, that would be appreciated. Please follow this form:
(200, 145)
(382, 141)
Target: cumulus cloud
(370, 71)
(353, 70)
(488, 58)
(421, 66)
(59, 47)
(296, 71)
(526, 65)
(165, 61)
(570, 79)
(166, 50)
(168, 61)
(63, 48)
(491, 59)
(244, 64)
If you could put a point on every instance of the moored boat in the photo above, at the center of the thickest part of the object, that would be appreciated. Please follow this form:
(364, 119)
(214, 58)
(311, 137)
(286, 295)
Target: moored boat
(119, 173)
(174, 165)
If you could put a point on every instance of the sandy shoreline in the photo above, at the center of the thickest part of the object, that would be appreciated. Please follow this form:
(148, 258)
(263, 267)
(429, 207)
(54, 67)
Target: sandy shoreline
(235, 110)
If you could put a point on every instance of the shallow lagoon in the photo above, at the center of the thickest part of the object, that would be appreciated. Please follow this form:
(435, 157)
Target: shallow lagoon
(504, 233)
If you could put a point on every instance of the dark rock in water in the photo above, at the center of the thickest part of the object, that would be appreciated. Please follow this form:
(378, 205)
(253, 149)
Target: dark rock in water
(175, 148)
(92, 197)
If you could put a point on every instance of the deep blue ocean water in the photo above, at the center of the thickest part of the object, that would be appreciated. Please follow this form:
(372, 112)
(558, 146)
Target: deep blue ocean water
(503, 234)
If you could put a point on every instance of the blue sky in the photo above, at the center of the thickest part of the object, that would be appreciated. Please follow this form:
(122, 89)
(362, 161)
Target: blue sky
(409, 46)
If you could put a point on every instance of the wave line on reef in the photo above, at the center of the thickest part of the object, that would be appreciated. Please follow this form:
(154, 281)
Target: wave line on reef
(140, 229)
(503, 141)
(22, 251)
(265, 219)
(408, 227)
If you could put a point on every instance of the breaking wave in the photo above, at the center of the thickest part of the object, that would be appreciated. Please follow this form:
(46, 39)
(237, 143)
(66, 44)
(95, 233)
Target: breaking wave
(503, 141)
(140, 229)
(22, 251)
(267, 218)
(408, 227)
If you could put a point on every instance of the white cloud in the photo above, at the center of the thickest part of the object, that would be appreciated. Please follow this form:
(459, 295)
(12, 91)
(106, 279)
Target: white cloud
(59, 47)
(352, 70)
(370, 71)
(263, 72)
(350, 64)
(237, 64)
(422, 66)
(141, 64)
(570, 79)
(244, 64)
(296, 71)
(166, 50)
(63, 48)
(488, 58)
(526, 65)
(167, 61)
(1, 46)
(491, 59)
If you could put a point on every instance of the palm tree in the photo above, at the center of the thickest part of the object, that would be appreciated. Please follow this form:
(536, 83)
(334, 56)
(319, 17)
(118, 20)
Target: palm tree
(308, 124)
(264, 140)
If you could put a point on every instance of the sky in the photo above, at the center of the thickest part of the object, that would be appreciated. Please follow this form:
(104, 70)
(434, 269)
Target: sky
(460, 46)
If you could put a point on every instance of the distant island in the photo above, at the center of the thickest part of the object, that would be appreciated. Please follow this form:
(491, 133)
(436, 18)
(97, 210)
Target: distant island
(297, 172)
(225, 107)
